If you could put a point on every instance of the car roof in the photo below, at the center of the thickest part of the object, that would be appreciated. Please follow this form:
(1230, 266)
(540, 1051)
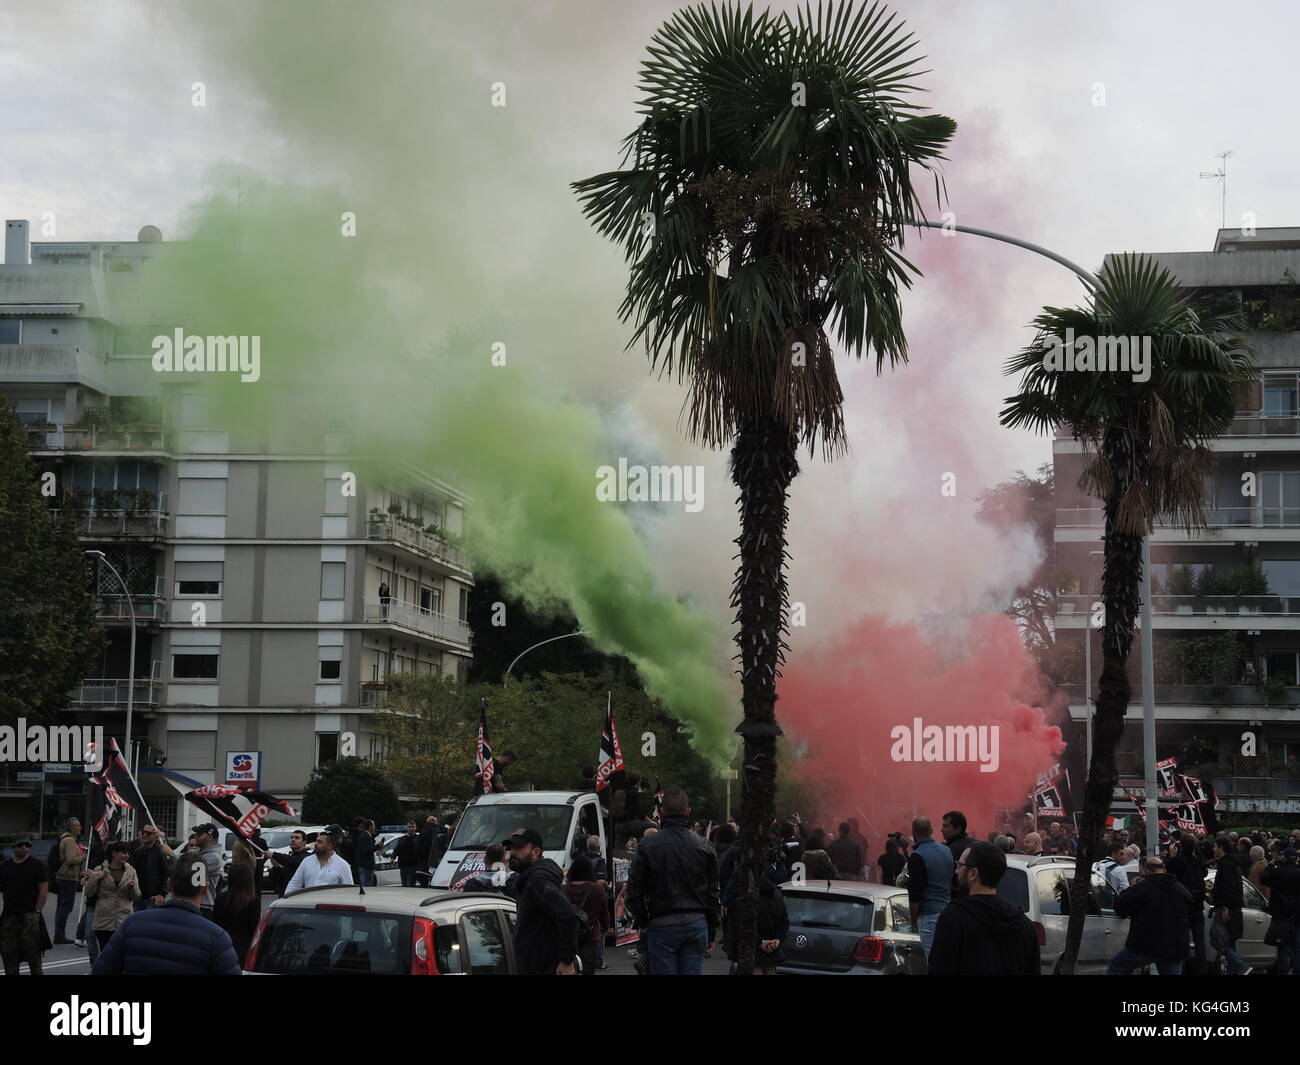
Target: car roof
(401, 900)
(859, 888)
(535, 798)
(1026, 861)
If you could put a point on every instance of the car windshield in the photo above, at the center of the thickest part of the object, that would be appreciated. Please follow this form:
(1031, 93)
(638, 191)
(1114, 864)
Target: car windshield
(278, 837)
(828, 911)
(484, 824)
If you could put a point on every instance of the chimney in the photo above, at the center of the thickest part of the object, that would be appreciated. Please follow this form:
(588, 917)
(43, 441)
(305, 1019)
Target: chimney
(17, 249)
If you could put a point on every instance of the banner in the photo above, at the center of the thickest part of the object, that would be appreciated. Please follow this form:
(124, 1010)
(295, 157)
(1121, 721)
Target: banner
(624, 932)
(609, 770)
(1167, 778)
(111, 792)
(1050, 792)
(240, 809)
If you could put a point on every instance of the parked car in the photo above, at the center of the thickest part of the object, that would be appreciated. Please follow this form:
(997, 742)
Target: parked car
(385, 931)
(564, 818)
(847, 927)
(1254, 923)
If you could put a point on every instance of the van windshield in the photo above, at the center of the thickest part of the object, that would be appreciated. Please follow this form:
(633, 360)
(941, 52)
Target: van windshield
(482, 825)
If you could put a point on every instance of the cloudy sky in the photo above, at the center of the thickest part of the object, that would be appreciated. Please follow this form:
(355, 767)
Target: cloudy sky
(100, 131)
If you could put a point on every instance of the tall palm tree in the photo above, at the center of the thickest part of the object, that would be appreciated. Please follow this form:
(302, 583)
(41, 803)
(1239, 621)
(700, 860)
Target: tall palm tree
(762, 203)
(1147, 451)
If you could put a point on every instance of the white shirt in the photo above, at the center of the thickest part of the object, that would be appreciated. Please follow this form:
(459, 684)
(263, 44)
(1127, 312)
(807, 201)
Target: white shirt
(312, 874)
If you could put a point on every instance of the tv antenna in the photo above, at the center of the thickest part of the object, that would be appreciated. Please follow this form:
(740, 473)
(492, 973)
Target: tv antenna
(1221, 175)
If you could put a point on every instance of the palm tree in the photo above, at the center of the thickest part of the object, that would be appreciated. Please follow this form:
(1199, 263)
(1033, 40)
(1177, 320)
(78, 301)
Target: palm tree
(1147, 448)
(762, 203)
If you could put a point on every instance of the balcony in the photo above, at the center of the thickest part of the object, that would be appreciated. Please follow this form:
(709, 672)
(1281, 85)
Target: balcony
(79, 438)
(417, 619)
(417, 540)
(1251, 696)
(113, 692)
(373, 694)
(117, 609)
(1259, 424)
(1243, 606)
(144, 517)
(1216, 518)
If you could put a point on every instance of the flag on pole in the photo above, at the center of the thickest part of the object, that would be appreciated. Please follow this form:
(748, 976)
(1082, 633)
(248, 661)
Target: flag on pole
(239, 808)
(112, 791)
(656, 815)
(484, 766)
(609, 770)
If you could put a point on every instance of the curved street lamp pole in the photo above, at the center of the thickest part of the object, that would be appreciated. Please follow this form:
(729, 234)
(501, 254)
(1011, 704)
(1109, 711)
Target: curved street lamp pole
(506, 675)
(1148, 691)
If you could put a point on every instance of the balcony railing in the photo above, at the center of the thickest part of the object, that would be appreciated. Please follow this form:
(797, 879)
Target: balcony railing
(113, 692)
(148, 609)
(1198, 605)
(100, 522)
(1258, 424)
(417, 539)
(1216, 518)
(1199, 695)
(110, 438)
(373, 694)
(409, 616)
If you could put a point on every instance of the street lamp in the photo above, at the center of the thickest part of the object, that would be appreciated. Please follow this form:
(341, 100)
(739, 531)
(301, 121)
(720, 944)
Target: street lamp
(506, 675)
(130, 607)
(1148, 690)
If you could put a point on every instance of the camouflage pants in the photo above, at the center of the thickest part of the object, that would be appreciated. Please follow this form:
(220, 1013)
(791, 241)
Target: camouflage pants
(20, 941)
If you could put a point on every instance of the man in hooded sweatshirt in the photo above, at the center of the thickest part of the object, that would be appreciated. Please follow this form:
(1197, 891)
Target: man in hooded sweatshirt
(980, 933)
(1159, 912)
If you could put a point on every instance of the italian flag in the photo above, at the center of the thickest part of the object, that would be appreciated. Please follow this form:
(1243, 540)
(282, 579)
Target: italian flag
(1117, 822)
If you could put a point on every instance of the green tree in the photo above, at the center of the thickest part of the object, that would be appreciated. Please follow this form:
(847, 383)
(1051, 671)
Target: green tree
(763, 201)
(343, 790)
(48, 635)
(1148, 447)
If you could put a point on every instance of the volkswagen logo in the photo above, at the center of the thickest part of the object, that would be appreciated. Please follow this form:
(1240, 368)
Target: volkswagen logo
(801, 941)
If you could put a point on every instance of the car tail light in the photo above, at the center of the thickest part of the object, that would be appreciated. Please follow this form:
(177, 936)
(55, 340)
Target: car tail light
(339, 906)
(1041, 932)
(869, 949)
(424, 962)
(250, 963)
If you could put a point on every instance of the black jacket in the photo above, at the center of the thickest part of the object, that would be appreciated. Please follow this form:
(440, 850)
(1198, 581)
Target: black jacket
(773, 921)
(1189, 870)
(984, 935)
(959, 846)
(674, 871)
(1159, 911)
(1227, 884)
(847, 856)
(546, 932)
(283, 866)
(1283, 883)
(151, 868)
(408, 851)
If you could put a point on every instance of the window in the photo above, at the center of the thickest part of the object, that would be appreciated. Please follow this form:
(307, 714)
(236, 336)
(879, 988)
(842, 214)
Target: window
(305, 941)
(199, 578)
(829, 911)
(463, 608)
(331, 670)
(335, 501)
(446, 948)
(1283, 575)
(191, 750)
(1014, 887)
(1251, 897)
(331, 580)
(1279, 397)
(430, 601)
(484, 944)
(1281, 665)
(327, 748)
(194, 664)
(11, 330)
(1280, 492)
(902, 915)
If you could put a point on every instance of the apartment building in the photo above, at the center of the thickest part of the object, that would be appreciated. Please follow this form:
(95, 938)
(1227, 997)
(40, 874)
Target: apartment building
(252, 558)
(1226, 600)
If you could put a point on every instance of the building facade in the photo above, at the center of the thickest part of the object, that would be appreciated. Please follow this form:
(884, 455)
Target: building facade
(253, 557)
(1225, 600)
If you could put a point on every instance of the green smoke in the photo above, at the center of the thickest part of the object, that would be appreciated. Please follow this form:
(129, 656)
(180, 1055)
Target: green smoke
(389, 334)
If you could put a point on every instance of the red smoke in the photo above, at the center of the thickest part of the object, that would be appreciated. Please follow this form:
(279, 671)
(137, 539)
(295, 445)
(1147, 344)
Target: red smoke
(841, 701)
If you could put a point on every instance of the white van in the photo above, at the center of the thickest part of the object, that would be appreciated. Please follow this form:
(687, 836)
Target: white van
(564, 818)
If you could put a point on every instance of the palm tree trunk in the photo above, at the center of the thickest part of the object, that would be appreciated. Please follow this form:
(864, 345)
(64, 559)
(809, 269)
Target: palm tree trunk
(1120, 594)
(763, 464)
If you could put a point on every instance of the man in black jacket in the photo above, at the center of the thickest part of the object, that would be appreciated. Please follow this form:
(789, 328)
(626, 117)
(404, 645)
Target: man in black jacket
(1188, 868)
(283, 866)
(1227, 900)
(1159, 912)
(980, 933)
(546, 929)
(1282, 878)
(958, 840)
(408, 855)
(672, 891)
(151, 859)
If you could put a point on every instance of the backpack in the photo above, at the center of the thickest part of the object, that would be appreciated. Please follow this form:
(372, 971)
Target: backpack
(586, 934)
(52, 859)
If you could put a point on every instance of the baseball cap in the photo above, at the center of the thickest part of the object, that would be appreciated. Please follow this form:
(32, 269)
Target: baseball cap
(333, 830)
(1288, 852)
(22, 840)
(523, 837)
(208, 829)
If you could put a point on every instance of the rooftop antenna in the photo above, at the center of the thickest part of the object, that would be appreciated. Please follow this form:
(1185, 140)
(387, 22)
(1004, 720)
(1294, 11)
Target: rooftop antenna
(1221, 175)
